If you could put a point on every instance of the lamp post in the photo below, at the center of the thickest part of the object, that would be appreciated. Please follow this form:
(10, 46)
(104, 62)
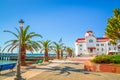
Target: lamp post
(18, 72)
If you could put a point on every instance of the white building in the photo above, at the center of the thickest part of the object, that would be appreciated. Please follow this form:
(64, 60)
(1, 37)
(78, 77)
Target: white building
(92, 45)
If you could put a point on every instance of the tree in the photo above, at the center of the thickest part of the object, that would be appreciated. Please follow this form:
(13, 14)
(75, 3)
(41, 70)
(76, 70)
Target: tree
(62, 47)
(46, 47)
(27, 44)
(69, 51)
(57, 48)
(113, 26)
(62, 50)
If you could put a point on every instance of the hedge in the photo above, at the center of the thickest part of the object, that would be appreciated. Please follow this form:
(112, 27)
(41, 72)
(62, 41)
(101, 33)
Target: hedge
(107, 59)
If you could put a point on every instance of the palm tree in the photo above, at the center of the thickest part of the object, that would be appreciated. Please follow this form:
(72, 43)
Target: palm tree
(46, 47)
(57, 48)
(27, 44)
(63, 48)
(69, 51)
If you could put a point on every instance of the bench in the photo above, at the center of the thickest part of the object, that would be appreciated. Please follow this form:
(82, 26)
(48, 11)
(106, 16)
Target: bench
(9, 66)
(39, 61)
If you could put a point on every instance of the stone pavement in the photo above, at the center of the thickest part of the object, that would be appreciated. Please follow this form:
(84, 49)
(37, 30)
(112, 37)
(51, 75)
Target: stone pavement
(33, 71)
(73, 71)
(70, 69)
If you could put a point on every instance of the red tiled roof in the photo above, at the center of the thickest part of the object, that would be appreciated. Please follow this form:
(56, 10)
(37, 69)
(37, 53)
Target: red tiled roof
(102, 39)
(80, 40)
(89, 31)
(98, 39)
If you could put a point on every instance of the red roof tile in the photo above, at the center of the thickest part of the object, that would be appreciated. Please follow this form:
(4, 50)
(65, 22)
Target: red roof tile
(98, 39)
(102, 39)
(89, 31)
(80, 40)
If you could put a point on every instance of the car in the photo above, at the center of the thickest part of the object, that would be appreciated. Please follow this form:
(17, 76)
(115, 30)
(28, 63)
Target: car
(112, 53)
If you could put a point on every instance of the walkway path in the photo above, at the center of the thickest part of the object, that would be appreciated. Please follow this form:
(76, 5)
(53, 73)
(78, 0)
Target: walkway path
(35, 70)
(73, 71)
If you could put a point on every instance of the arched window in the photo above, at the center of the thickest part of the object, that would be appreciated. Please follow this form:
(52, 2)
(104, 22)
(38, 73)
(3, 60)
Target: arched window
(90, 41)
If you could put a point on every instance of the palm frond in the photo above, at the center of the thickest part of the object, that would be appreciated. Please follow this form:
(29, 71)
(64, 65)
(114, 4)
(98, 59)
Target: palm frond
(6, 47)
(27, 42)
(13, 48)
(17, 30)
(12, 33)
(11, 41)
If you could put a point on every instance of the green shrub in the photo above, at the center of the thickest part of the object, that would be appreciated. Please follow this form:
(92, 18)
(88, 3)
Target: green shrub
(115, 61)
(107, 59)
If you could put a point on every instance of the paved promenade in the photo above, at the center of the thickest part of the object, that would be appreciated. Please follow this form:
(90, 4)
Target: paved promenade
(73, 71)
(32, 71)
(70, 69)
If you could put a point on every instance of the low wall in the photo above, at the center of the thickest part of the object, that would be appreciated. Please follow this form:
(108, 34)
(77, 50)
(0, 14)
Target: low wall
(114, 68)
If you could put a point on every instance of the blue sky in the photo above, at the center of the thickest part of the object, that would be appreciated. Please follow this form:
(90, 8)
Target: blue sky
(53, 19)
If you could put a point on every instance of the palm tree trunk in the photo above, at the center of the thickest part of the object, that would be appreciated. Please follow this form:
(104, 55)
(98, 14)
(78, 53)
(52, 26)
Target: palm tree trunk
(23, 56)
(61, 54)
(70, 54)
(46, 56)
(58, 55)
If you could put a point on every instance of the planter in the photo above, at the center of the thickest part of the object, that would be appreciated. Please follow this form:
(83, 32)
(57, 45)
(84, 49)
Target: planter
(114, 68)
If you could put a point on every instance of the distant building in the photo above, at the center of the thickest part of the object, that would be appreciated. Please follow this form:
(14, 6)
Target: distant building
(92, 45)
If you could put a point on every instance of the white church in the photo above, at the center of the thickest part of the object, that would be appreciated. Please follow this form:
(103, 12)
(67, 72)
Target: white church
(92, 45)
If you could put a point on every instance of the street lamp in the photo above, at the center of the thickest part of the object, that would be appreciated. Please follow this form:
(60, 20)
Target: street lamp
(18, 72)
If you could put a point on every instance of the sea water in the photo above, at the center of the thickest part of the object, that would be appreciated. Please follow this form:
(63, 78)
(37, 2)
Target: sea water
(28, 54)
(6, 62)
(5, 57)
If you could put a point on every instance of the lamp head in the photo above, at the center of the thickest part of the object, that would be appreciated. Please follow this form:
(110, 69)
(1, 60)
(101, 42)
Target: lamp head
(21, 22)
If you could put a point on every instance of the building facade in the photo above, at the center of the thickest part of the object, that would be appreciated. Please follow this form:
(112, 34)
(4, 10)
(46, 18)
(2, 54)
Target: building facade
(92, 45)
